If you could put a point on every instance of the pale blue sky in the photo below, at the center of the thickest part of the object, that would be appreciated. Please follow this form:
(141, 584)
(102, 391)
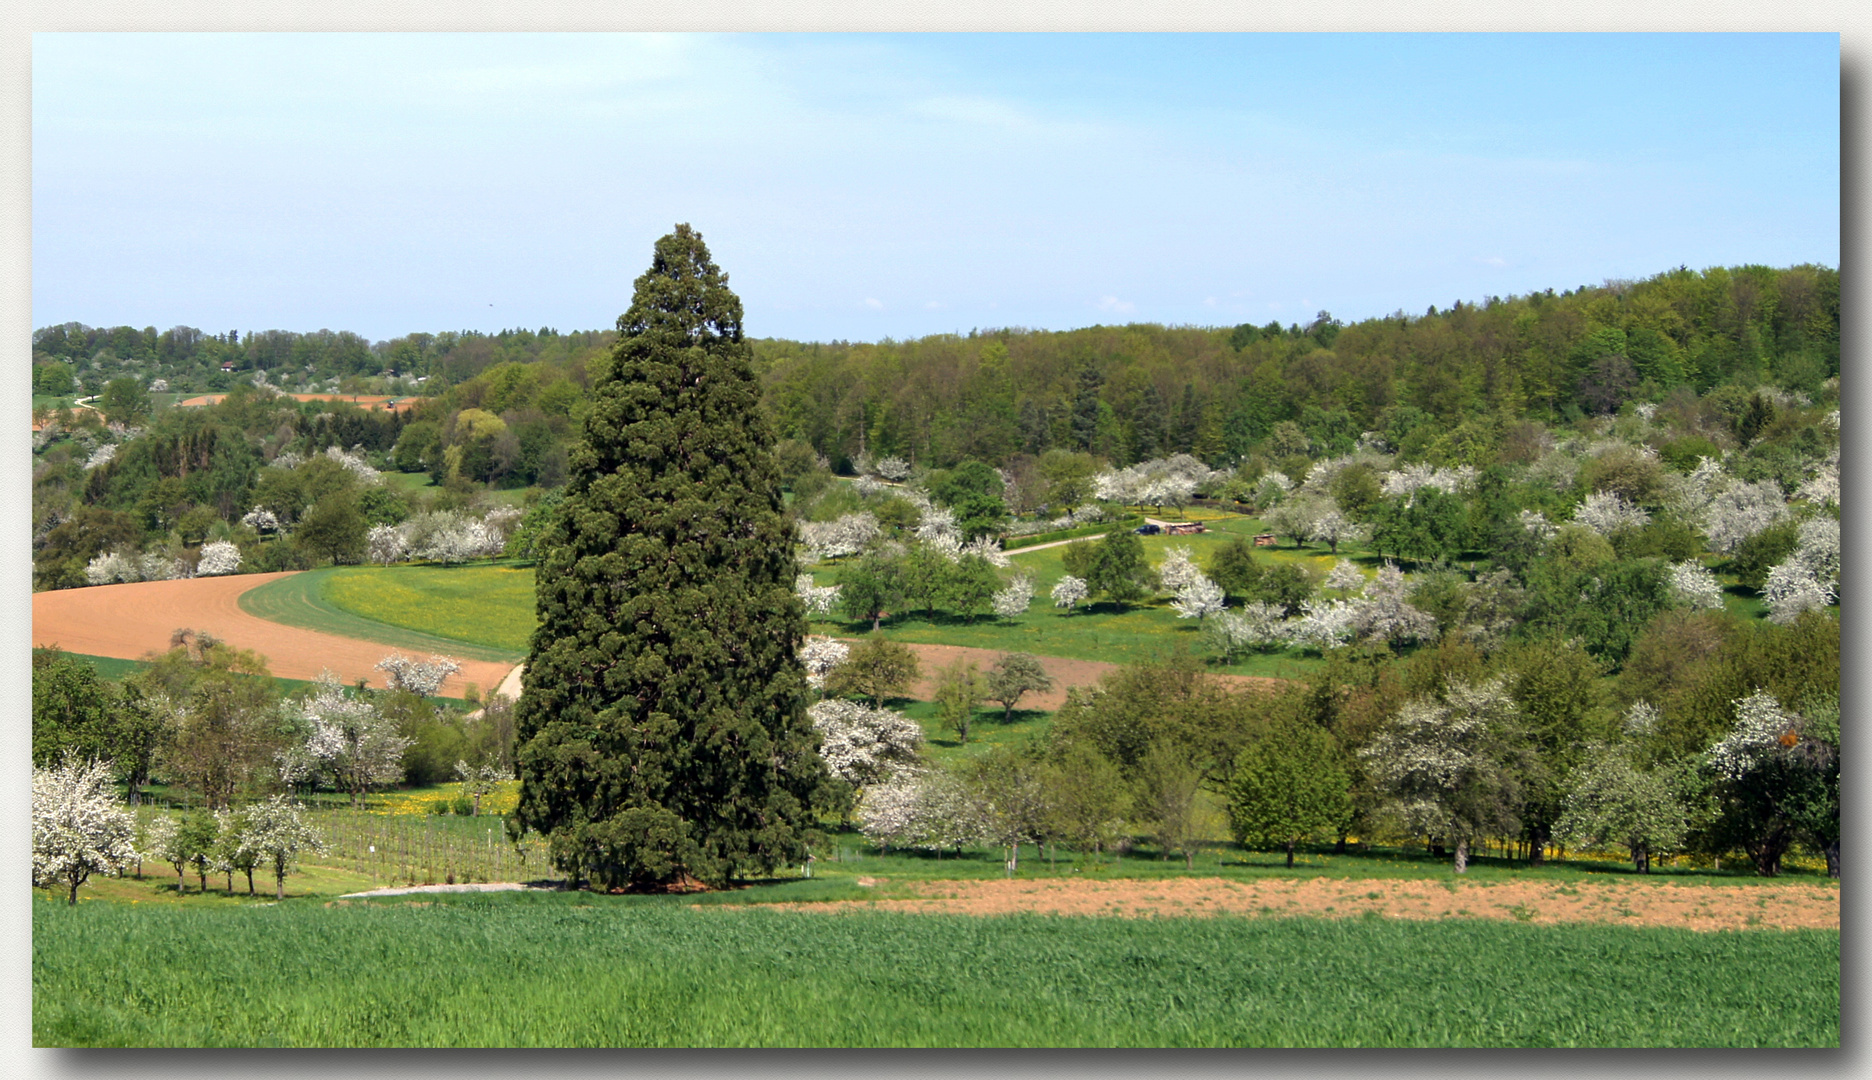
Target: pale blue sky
(860, 187)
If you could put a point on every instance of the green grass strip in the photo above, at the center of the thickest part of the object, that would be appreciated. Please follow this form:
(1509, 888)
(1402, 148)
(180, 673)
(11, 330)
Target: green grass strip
(301, 600)
(114, 668)
(581, 970)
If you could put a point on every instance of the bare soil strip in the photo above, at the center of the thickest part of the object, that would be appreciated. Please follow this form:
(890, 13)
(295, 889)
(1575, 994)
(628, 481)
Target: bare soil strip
(132, 622)
(1065, 673)
(1695, 907)
(362, 401)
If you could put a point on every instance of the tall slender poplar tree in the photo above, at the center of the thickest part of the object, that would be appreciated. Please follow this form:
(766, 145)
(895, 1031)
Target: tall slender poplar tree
(662, 725)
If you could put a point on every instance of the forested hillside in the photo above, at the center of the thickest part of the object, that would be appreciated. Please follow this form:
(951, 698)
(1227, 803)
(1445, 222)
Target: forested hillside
(1477, 384)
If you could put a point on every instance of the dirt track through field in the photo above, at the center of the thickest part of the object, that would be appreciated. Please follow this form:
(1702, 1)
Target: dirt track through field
(1624, 903)
(133, 621)
(1064, 672)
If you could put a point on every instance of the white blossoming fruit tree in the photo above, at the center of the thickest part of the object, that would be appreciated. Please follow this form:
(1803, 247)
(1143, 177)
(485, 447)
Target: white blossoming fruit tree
(78, 826)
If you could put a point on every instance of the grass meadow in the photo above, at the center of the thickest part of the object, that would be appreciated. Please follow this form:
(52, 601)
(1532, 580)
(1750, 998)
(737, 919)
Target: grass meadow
(489, 607)
(578, 970)
(485, 610)
(480, 612)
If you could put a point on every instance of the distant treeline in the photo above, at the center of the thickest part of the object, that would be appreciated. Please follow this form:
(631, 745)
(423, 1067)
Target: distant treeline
(1130, 393)
(1124, 393)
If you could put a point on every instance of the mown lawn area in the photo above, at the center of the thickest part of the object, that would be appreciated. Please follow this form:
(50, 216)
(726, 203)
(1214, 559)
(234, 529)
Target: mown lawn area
(581, 970)
(491, 605)
(482, 611)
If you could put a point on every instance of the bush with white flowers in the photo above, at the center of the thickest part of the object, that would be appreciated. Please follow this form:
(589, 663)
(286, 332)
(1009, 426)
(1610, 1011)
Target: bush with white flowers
(1068, 592)
(110, 568)
(1384, 612)
(218, 557)
(1537, 525)
(930, 809)
(846, 536)
(862, 745)
(1251, 627)
(386, 544)
(353, 461)
(1198, 598)
(819, 655)
(1760, 726)
(1178, 568)
(1012, 601)
(353, 745)
(260, 519)
(1323, 625)
(423, 677)
(1407, 481)
(1345, 576)
(820, 600)
(78, 826)
(1740, 511)
(1607, 512)
(1695, 586)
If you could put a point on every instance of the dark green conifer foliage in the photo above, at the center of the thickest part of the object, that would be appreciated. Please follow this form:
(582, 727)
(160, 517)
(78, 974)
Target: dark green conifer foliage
(662, 729)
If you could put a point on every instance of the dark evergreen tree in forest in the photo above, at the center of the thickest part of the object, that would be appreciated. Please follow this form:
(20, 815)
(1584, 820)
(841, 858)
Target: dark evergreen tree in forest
(1085, 410)
(662, 729)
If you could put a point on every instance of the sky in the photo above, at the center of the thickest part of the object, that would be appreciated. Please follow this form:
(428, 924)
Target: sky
(860, 187)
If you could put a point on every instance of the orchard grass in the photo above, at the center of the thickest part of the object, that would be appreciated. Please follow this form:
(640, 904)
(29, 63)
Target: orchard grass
(574, 969)
(988, 730)
(484, 610)
(409, 482)
(1119, 634)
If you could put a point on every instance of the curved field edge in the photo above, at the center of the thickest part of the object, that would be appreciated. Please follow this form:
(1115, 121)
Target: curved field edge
(548, 972)
(300, 600)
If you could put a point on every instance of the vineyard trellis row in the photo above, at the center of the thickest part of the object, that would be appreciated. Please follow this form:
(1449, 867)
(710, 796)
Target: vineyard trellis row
(409, 850)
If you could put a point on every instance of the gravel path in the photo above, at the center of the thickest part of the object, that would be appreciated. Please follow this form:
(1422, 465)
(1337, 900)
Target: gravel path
(1065, 672)
(479, 886)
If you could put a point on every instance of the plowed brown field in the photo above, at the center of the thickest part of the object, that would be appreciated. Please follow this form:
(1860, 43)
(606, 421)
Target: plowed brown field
(134, 621)
(1624, 902)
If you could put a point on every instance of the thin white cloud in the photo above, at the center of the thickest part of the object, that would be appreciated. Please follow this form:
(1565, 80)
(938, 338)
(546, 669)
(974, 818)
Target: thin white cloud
(874, 303)
(1113, 304)
(980, 111)
(1491, 260)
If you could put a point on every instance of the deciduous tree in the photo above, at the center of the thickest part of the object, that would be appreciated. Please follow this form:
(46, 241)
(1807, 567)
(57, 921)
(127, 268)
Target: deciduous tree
(1288, 786)
(1014, 675)
(78, 826)
(877, 668)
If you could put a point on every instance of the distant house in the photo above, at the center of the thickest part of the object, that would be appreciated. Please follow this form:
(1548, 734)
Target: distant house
(1182, 528)
(1264, 540)
(227, 365)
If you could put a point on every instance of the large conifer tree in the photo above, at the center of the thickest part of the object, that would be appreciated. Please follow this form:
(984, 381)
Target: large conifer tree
(662, 727)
